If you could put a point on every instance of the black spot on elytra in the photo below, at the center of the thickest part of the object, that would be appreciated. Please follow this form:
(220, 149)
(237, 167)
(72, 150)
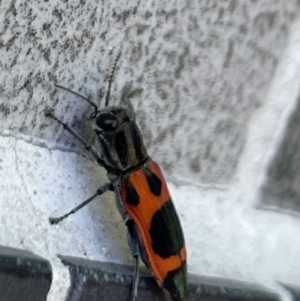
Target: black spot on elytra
(132, 197)
(121, 147)
(154, 182)
(165, 231)
(176, 283)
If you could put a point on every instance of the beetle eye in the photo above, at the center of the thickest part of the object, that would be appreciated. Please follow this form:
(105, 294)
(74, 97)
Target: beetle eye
(107, 122)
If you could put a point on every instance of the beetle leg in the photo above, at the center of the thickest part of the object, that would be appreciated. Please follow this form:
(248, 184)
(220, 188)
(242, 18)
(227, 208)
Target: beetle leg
(87, 146)
(102, 189)
(81, 96)
(135, 281)
(132, 237)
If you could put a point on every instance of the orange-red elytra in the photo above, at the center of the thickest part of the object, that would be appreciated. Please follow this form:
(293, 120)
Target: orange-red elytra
(142, 197)
(148, 202)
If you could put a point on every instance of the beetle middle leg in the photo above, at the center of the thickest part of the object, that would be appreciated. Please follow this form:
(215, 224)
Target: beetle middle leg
(102, 189)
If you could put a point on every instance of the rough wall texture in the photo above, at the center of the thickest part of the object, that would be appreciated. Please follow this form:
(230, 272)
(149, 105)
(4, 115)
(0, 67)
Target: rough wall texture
(201, 68)
(283, 177)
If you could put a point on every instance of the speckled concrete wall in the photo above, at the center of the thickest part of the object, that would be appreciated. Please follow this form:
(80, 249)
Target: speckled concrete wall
(282, 187)
(203, 67)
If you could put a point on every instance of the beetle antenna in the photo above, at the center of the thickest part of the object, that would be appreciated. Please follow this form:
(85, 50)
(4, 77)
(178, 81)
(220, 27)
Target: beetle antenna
(93, 115)
(110, 79)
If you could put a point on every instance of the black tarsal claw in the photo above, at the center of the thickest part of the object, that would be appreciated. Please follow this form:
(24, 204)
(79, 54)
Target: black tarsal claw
(49, 113)
(53, 220)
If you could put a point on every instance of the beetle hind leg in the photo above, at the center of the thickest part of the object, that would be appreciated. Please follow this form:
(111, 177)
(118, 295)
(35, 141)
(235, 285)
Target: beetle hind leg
(132, 237)
(135, 281)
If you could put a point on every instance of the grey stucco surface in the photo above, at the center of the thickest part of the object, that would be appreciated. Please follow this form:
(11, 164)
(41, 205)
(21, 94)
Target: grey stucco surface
(283, 177)
(201, 68)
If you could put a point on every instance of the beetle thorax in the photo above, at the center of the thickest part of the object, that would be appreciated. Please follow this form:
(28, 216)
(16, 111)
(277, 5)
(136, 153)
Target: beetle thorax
(119, 141)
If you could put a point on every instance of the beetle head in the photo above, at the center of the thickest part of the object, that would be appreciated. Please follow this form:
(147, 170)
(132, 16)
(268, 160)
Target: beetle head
(119, 141)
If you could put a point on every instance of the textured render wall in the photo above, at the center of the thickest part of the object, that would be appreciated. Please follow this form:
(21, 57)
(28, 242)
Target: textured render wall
(204, 68)
(281, 188)
(211, 107)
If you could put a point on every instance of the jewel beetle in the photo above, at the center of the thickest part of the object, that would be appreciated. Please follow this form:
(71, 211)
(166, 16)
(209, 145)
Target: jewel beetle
(154, 231)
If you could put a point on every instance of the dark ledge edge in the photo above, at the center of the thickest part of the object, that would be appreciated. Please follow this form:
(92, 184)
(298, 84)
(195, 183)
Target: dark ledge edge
(23, 275)
(96, 280)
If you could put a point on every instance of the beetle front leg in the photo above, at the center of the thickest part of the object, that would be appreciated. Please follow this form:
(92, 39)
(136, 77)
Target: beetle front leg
(87, 146)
